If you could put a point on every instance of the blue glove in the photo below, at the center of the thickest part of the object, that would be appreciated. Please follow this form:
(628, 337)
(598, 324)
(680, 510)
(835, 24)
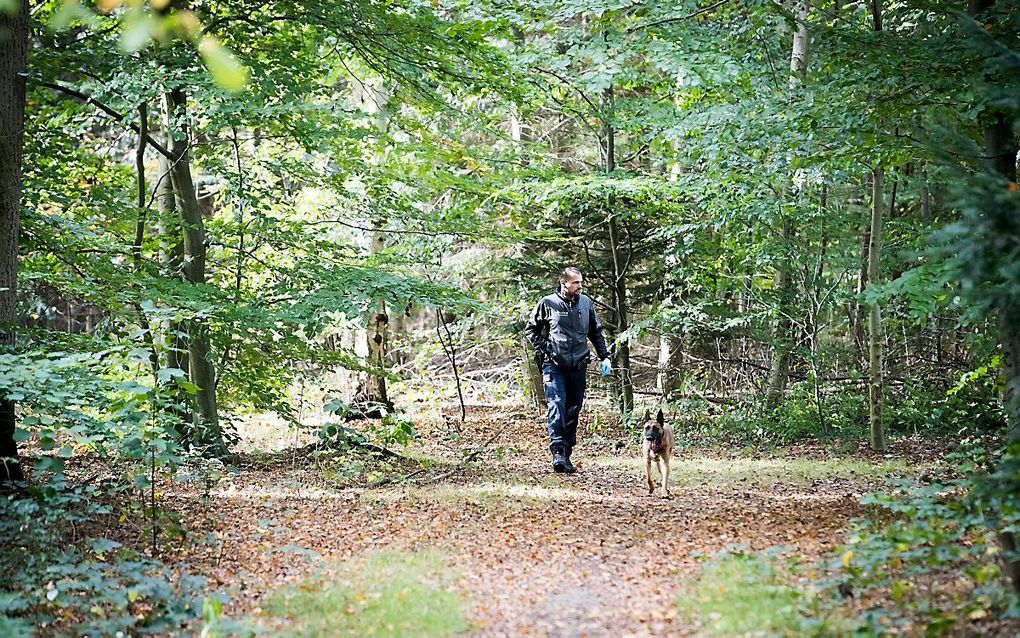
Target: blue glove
(606, 368)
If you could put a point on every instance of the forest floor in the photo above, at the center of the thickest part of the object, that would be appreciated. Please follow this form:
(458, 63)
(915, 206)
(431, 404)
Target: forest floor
(529, 552)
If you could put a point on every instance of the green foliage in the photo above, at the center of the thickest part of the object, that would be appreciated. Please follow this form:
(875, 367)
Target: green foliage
(740, 594)
(919, 532)
(385, 594)
(94, 586)
(90, 401)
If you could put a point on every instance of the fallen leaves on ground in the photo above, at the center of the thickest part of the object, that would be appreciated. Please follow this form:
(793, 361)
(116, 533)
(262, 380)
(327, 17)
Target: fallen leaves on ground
(543, 554)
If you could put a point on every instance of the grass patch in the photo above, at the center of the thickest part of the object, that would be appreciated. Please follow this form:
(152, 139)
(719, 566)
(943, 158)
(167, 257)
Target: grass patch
(770, 471)
(380, 594)
(749, 595)
(511, 497)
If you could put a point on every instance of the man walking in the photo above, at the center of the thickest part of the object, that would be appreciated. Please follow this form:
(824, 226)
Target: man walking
(559, 329)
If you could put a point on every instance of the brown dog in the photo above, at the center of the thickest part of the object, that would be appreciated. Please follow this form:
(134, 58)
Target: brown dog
(658, 447)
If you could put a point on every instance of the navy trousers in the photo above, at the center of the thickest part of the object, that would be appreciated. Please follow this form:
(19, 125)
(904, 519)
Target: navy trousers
(564, 393)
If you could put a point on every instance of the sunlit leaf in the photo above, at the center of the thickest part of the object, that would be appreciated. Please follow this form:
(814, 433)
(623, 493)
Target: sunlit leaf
(138, 30)
(225, 68)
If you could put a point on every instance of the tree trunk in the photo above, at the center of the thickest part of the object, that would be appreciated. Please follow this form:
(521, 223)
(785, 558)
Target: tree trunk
(378, 337)
(626, 394)
(207, 430)
(670, 378)
(373, 100)
(13, 57)
(875, 381)
(534, 388)
(172, 261)
(779, 370)
(622, 321)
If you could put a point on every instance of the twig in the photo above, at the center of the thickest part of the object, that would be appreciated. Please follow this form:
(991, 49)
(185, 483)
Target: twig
(679, 19)
(451, 354)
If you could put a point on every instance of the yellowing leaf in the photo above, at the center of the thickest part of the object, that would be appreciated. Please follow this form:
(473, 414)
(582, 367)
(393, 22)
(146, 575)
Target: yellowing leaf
(132, 596)
(847, 557)
(225, 69)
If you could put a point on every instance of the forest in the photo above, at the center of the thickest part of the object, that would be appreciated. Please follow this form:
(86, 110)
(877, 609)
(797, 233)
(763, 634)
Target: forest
(269, 274)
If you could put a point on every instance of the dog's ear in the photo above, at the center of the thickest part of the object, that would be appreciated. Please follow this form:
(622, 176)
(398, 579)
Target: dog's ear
(659, 417)
(648, 415)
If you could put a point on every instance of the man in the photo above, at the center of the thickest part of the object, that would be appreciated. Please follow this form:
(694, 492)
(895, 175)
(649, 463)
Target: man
(559, 329)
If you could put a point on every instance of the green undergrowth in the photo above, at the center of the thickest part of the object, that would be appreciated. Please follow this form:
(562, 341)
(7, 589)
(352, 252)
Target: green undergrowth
(62, 577)
(739, 594)
(380, 594)
(767, 471)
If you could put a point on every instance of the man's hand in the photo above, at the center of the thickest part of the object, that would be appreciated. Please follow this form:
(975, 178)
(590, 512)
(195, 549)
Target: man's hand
(606, 367)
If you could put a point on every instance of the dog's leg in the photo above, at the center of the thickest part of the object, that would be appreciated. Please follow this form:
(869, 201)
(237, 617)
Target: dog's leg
(648, 473)
(658, 466)
(665, 478)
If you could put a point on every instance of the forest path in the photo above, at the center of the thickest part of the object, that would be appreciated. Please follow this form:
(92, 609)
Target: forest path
(544, 554)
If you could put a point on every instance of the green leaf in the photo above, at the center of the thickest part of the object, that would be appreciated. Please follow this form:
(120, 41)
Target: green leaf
(169, 373)
(225, 68)
(138, 29)
(49, 464)
(20, 435)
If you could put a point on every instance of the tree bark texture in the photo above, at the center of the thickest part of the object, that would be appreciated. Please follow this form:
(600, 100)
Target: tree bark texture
(13, 58)
(670, 375)
(203, 372)
(875, 378)
(377, 335)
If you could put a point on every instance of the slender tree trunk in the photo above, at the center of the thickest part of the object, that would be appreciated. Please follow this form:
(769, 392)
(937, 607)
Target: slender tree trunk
(203, 372)
(875, 380)
(140, 222)
(875, 371)
(378, 336)
(620, 294)
(926, 216)
(779, 370)
(371, 388)
(534, 388)
(13, 57)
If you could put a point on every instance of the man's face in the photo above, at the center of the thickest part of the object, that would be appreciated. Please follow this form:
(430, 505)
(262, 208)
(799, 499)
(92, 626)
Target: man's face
(572, 287)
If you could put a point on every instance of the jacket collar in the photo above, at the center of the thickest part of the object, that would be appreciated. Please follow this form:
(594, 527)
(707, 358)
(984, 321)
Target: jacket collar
(569, 302)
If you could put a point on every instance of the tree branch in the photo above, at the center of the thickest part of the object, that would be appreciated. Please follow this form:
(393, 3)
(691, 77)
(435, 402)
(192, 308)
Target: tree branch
(88, 99)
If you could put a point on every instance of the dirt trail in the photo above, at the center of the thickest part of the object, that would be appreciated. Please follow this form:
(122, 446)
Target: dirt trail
(541, 554)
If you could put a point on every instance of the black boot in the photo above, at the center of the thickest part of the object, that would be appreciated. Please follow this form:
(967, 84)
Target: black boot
(568, 467)
(559, 460)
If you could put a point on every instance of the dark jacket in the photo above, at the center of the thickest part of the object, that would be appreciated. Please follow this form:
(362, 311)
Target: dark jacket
(560, 329)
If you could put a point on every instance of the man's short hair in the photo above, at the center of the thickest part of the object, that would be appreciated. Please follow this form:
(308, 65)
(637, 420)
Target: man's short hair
(569, 272)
